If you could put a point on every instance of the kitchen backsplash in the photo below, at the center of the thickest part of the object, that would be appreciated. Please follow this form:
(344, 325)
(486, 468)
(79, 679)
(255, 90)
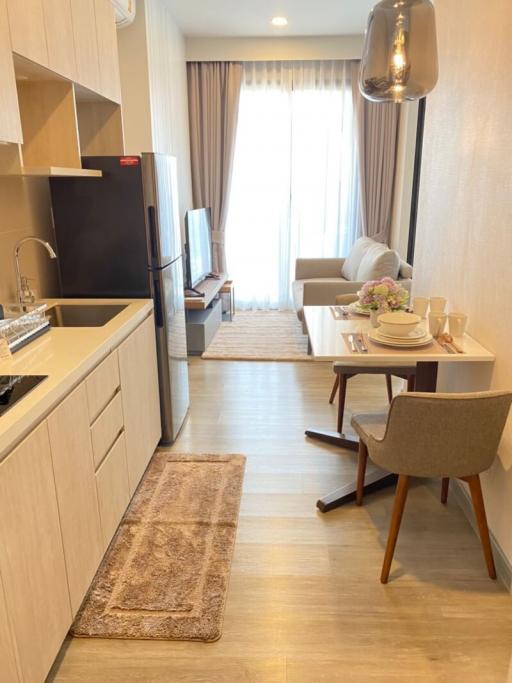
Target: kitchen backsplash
(25, 210)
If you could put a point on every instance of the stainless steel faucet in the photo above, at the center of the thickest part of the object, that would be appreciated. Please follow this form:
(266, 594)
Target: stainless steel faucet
(23, 292)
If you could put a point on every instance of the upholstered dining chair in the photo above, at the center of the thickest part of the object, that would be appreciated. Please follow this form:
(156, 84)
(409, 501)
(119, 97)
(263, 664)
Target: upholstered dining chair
(344, 371)
(434, 435)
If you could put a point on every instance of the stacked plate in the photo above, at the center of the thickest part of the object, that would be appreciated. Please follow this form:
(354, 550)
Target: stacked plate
(355, 307)
(417, 337)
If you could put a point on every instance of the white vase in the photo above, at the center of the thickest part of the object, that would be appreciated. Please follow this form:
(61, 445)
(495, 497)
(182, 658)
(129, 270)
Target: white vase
(373, 318)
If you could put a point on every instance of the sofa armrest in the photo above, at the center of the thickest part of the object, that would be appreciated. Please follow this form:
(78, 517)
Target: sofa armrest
(405, 270)
(406, 283)
(307, 268)
(325, 293)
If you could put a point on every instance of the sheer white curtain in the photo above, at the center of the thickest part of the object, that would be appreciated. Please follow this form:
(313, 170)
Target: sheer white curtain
(295, 185)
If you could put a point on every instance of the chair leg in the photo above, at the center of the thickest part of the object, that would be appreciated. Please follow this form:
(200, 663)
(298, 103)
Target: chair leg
(389, 387)
(445, 485)
(362, 459)
(411, 383)
(341, 401)
(481, 518)
(396, 518)
(334, 389)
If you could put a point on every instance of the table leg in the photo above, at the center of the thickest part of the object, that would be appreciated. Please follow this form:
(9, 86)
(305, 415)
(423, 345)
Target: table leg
(374, 481)
(426, 377)
(426, 380)
(333, 438)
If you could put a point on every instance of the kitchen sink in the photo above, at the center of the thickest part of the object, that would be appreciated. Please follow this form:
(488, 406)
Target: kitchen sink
(86, 315)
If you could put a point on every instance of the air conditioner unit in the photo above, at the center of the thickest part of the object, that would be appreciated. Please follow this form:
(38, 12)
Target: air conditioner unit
(125, 12)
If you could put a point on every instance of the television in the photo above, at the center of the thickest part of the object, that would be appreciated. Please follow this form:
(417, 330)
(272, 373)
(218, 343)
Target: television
(198, 246)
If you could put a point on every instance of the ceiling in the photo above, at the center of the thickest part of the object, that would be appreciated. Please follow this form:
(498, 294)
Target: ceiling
(251, 18)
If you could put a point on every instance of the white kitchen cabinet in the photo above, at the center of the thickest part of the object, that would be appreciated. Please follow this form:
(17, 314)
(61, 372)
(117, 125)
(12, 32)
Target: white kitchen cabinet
(70, 443)
(110, 84)
(59, 37)
(28, 34)
(113, 489)
(7, 652)
(32, 562)
(86, 43)
(141, 405)
(10, 123)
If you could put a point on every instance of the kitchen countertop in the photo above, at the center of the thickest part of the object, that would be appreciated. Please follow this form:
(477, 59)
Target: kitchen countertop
(66, 355)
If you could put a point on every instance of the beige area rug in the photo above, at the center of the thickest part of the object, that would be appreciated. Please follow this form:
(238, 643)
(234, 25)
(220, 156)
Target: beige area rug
(260, 335)
(166, 573)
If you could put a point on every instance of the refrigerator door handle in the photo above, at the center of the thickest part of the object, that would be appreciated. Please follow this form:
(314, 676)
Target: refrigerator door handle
(153, 240)
(159, 310)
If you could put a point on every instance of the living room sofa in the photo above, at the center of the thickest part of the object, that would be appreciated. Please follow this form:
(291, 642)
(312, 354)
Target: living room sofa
(319, 280)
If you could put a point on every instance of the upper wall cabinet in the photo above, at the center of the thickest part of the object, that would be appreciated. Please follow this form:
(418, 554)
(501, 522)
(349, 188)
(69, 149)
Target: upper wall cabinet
(86, 44)
(28, 34)
(59, 37)
(10, 125)
(75, 39)
(107, 50)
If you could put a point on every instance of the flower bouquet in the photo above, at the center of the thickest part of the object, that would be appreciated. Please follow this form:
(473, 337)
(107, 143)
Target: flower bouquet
(382, 296)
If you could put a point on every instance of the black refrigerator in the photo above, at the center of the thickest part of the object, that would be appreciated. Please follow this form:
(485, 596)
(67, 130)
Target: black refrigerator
(119, 236)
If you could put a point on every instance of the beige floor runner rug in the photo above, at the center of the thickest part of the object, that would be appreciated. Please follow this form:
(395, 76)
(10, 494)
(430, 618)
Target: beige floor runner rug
(260, 335)
(166, 573)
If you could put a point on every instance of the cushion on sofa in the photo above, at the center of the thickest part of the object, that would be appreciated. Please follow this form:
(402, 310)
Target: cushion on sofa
(323, 283)
(378, 262)
(353, 260)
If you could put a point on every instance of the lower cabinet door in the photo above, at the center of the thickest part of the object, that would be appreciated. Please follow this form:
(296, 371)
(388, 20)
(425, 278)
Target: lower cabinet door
(73, 465)
(141, 403)
(32, 562)
(7, 653)
(113, 489)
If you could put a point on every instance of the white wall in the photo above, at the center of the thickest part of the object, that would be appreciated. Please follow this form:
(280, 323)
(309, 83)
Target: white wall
(154, 89)
(464, 240)
(268, 49)
(134, 72)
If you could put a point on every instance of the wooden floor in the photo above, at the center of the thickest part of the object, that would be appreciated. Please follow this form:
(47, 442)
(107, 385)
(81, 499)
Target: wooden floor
(305, 604)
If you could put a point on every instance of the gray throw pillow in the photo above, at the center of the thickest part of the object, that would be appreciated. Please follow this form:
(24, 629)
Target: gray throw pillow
(378, 262)
(353, 260)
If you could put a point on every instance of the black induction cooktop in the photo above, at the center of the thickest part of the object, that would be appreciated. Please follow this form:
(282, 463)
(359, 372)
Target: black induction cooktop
(15, 387)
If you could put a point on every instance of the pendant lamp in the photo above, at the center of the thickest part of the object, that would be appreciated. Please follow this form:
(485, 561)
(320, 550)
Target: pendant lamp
(400, 53)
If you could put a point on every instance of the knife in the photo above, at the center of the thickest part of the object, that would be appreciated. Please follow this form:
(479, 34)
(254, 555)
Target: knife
(362, 345)
(352, 344)
(357, 344)
(447, 347)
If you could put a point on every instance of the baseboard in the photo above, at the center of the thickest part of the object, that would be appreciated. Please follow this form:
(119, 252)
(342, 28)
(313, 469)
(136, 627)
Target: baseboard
(503, 566)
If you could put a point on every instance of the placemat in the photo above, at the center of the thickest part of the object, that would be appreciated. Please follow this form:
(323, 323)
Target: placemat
(337, 314)
(373, 347)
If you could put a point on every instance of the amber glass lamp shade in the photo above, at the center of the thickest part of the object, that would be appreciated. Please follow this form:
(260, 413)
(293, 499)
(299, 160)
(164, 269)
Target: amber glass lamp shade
(400, 53)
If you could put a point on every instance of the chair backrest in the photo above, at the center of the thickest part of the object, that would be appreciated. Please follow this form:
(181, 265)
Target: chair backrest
(346, 299)
(442, 435)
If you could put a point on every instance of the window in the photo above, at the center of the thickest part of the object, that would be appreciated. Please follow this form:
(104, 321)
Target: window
(295, 188)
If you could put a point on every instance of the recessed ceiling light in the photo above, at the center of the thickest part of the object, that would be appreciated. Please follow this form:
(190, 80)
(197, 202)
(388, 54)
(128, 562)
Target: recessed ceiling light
(279, 21)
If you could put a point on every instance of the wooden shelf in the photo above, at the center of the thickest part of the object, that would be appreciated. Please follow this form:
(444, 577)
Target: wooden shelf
(210, 289)
(59, 171)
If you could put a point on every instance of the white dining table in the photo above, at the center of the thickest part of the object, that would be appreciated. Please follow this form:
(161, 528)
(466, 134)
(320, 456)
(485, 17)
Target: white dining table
(328, 342)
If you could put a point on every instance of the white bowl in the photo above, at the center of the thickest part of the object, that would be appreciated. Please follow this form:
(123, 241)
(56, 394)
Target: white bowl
(398, 323)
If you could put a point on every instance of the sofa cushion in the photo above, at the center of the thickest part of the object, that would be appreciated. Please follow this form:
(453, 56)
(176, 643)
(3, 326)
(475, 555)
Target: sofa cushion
(353, 260)
(378, 262)
(298, 291)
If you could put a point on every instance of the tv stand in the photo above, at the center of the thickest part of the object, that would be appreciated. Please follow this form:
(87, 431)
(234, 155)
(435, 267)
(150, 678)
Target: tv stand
(204, 314)
(195, 293)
